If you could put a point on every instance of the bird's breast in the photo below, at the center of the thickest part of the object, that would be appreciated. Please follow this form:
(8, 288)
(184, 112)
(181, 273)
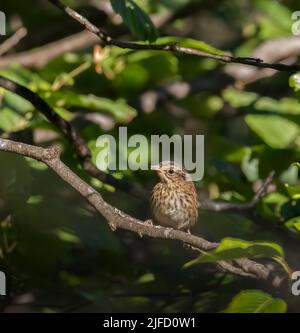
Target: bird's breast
(174, 206)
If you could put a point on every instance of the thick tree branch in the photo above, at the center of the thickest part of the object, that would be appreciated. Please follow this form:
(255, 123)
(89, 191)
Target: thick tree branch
(81, 149)
(118, 219)
(106, 39)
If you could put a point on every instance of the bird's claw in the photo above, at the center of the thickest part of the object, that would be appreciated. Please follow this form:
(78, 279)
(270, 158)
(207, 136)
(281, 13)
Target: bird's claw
(149, 222)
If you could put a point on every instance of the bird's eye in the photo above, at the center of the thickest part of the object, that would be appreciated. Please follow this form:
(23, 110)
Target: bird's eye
(171, 171)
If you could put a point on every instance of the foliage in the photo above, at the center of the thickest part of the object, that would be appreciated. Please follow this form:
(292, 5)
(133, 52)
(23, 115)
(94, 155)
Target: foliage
(255, 301)
(51, 242)
(231, 248)
(136, 19)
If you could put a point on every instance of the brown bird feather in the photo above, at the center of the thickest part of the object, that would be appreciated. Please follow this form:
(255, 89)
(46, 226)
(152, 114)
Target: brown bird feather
(174, 200)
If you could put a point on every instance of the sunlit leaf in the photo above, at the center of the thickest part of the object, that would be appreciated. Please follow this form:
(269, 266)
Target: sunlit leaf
(11, 121)
(136, 19)
(190, 43)
(275, 131)
(293, 191)
(118, 108)
(255, 301)
(294, 81)
(233, 248)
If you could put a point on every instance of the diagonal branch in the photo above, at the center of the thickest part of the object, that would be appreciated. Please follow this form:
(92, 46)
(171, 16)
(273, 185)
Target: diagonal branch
(118, 219)
(13, 40)
(42, 55)
(106, 39)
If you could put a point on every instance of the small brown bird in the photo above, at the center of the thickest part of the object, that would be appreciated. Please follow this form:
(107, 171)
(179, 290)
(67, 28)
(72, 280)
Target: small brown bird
(174, 200)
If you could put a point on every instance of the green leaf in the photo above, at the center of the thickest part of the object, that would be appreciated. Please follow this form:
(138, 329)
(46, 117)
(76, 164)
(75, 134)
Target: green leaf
(136, 19)
(199, 45)
(67, 236)
(275, 131)
(16, 103)
(119, 109)
(275, 20)
(146, 278)
(297, 164)
(233, 248)
(255, 301)
(285, 105)
(237, 98)
(293, 224)
(294, 81)
(11, 121)
(25, 77)
(293, 191)
(190, 43)
(250, 167)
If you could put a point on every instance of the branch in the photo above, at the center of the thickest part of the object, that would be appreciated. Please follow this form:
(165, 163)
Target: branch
(75, 139)
(118, 219)
(284, 49)
(13, 40)
(106, 39)
(40, 56)
(230, 206)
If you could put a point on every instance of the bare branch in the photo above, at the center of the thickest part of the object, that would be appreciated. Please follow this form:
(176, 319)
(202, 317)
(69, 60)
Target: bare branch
(229, 206)
(280, 49)
(40, 56)
(106, 39)
(118, 219)
(13, 40)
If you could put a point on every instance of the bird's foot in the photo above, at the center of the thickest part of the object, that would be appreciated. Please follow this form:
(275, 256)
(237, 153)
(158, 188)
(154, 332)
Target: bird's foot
(186, 245)
(149, 222)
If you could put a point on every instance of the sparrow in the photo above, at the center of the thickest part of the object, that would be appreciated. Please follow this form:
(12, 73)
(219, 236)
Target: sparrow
(174, 200)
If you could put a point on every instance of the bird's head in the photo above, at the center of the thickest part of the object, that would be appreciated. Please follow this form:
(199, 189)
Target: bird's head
(170, 172)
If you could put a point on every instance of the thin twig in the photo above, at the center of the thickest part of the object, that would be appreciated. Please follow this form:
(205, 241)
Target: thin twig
(41, 56)
(13, 40)
(106, 39)
(230, 206)
(118, 219)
